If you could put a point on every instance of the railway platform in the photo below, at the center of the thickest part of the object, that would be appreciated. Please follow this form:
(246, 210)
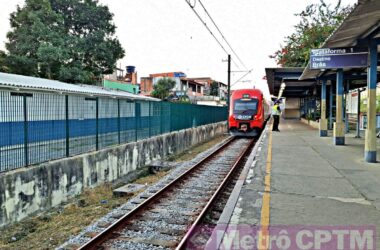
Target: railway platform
(302, 180)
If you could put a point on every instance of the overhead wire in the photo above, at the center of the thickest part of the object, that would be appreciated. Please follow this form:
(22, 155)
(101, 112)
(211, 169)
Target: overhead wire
(221, 33)
(242, 77)
(208, 28)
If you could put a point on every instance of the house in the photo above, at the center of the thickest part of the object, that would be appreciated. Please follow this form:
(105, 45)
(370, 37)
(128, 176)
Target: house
(176, 76)
(192, 88)
(147, 83)
(197, 89)
(207, 81)
(119, 81)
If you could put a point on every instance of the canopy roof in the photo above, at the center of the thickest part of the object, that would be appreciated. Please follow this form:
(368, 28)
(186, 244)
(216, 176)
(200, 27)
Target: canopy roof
(362, 24)
(290, 76)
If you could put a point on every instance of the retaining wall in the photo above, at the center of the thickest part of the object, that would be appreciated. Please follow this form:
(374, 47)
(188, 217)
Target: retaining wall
(30, 190)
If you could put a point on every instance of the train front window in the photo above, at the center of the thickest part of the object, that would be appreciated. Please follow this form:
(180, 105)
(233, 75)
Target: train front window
(248, 107)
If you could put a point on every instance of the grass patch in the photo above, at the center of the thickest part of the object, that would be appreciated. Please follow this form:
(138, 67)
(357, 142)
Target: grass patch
(53, 228)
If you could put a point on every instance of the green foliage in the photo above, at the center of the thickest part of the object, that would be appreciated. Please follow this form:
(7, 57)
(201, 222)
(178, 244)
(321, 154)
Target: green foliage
(35, 42)
(318, 21)
(68, 40)
(184, 99)
(178, 99)
(214, 89)
(93, 49)
(3, 64)
(162, 88)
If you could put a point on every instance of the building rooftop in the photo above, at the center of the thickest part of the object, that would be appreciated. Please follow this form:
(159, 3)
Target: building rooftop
(191, 80)
(25, 83)
(168, 74)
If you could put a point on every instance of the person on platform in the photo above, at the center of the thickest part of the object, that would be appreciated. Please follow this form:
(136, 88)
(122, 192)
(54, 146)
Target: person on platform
(276, 112)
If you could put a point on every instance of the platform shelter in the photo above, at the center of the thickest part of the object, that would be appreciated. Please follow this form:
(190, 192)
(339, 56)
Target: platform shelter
(348, 60)
(300, 96)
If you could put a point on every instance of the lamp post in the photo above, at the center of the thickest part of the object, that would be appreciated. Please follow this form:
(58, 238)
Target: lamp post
(282, 88)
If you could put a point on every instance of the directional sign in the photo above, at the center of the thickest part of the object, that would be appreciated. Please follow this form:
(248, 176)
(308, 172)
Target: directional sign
(337, 58)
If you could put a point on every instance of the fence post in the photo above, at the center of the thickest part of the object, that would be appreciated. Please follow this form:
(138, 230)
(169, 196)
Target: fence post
(189, 121)
(191, 116)
(97, 124)
(67, 126)
(161, 114)
(118, 121)
(26, 153)
(149, 120)
(170, 117)
(135, 120)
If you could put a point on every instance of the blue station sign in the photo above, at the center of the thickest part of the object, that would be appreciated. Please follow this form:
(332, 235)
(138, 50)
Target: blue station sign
(337, 58)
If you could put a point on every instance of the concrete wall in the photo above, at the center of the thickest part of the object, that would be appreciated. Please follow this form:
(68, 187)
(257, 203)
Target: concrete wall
(27, 191)
(292, 109)
(292, 114)
(292, 103)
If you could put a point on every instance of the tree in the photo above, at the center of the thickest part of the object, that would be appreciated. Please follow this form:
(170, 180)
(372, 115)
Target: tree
(318, 21)
(35, 43)
(163, 87)
(214, 89)
(3, 65)
(90, 36)
(68, 40)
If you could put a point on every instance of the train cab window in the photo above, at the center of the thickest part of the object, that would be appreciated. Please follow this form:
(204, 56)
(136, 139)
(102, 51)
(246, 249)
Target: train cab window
(248, 107)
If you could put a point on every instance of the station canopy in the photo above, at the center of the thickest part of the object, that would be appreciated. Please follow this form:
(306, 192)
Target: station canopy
(290, 77)
(360, 26)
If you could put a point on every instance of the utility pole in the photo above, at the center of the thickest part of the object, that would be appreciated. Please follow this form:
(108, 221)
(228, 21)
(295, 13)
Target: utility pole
(228, 86)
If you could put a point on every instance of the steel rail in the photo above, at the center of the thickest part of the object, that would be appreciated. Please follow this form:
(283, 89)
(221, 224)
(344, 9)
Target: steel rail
(185, 239)
(109, 232)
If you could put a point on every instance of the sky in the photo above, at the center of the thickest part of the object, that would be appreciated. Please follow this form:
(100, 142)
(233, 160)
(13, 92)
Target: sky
(166, 35)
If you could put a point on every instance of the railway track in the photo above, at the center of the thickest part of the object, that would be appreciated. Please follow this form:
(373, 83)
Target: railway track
(167, 219)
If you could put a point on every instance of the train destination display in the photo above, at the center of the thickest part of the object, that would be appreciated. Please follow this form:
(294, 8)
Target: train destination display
(337, 58)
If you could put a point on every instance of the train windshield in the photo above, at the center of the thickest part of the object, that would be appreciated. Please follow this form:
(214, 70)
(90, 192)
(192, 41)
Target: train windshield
(248, 107)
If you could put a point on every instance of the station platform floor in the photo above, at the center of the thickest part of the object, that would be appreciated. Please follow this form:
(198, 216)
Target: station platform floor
(299, 178)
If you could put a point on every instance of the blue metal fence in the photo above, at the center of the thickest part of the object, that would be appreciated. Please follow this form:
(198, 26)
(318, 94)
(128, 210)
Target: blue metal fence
(310, 108)
(38, 127)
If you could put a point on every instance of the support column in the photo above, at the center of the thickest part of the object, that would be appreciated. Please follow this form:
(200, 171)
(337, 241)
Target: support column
(346, 116)
(358, 116)
(339, 124)
(323, 120)
(370, 133)
(331, 107)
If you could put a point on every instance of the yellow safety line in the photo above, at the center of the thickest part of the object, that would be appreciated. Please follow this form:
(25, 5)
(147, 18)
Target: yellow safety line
(265, 209)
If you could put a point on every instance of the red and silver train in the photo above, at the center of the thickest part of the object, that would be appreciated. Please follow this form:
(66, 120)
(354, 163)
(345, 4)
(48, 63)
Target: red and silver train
(248, 112)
